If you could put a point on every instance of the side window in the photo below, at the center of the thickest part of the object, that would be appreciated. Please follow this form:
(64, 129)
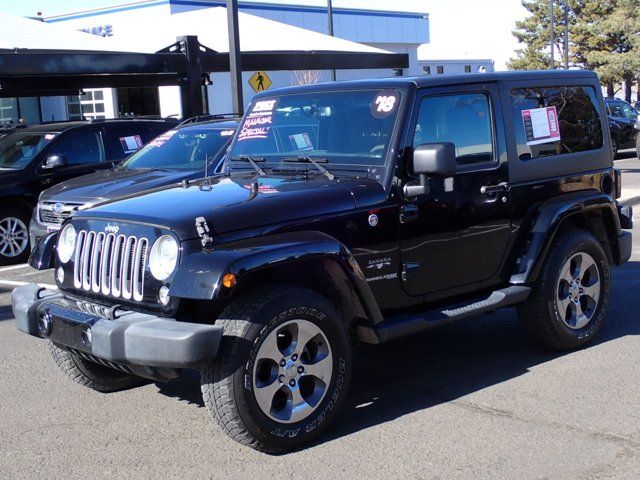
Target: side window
(80, 148)
(556, 120)
(124, 139)
(462, 119)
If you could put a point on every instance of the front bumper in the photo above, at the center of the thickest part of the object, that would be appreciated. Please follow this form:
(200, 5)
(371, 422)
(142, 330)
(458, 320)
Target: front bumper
(124, 338)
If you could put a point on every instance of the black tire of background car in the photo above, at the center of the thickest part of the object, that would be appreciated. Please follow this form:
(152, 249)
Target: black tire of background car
(538, 313)
(614, 147)
(90, 374)
(227, 386)
(25, 217)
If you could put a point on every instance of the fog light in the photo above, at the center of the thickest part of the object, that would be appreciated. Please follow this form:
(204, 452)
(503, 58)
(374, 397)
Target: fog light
(44, 323)
(163, 295)
(229, 280)
(60, 275)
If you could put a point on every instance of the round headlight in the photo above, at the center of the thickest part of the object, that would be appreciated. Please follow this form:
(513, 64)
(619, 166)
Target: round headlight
(66, 243)
(163, 257)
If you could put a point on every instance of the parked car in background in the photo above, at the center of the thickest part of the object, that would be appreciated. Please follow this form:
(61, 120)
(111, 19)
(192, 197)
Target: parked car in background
(38, 157)
(176, 155)
(623, 124)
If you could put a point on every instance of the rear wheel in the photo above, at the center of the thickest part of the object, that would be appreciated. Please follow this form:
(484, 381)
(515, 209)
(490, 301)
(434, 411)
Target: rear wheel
(90, 374)
(14, 236)
(614, 147)
(568, 302)
(283, 369)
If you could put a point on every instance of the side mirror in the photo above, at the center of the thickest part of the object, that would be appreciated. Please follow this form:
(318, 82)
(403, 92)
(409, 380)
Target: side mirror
(54, 161)
(431, 160)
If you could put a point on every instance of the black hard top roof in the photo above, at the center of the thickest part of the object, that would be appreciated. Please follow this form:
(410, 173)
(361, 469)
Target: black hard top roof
(424, 81)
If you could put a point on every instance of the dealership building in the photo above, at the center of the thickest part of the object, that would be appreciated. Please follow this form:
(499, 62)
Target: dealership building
(149, 26)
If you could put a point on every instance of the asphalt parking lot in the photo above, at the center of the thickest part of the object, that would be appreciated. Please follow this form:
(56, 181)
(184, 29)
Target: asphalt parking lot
(472, 400)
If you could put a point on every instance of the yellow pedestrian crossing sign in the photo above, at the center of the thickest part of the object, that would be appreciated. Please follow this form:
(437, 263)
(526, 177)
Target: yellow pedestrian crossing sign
(260, 81)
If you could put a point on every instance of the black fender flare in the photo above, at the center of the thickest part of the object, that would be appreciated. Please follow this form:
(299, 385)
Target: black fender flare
(549, 218)
(199, 276)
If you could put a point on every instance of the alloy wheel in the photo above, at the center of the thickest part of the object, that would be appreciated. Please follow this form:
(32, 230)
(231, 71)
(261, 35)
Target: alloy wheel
(14, 237)
(578, 291)
(292, 371)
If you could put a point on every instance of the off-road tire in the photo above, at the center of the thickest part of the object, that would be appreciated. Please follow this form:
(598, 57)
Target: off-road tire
(539, 314)
(25, 219)
(90, 374)
(227, 385)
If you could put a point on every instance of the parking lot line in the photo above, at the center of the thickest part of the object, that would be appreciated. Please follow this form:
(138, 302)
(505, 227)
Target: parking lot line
(13, 283)
(14, 267)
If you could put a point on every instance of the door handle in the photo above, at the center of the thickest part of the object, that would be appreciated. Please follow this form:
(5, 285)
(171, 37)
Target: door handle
(491, 189)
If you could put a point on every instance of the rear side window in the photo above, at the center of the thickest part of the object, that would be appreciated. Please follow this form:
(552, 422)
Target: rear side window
(462, 119)
(127, 138)
(555, 120)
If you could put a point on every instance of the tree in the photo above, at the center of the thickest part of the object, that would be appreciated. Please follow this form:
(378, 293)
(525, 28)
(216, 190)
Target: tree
(534, 33)
(604, 36)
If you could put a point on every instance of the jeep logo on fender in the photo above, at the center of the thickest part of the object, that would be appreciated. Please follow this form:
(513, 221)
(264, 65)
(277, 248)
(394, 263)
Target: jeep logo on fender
(111, 228)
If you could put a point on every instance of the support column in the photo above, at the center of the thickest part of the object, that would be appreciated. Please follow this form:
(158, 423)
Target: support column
(191, 84)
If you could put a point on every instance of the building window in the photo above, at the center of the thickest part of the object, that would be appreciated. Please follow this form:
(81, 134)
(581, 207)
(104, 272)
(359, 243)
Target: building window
(426, 69)
(440, 69)
(86, 106)
(467, 69)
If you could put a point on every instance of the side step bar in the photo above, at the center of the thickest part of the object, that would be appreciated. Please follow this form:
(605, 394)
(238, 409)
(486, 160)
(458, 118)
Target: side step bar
(406, 324)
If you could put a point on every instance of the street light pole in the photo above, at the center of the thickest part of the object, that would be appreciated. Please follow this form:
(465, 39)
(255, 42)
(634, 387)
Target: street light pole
(330, 27)
(552, 35)
(566, 34)
(235, 63)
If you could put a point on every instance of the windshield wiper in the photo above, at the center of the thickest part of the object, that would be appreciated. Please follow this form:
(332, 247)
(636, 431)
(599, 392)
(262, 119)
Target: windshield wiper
(306, 159)
(247, 158)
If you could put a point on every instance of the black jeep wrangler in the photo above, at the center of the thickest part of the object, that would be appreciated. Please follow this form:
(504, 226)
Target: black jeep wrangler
(353, 212)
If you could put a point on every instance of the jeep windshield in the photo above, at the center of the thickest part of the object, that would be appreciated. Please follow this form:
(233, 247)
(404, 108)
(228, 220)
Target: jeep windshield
(18, 149)
(182, 149)
(351, 128)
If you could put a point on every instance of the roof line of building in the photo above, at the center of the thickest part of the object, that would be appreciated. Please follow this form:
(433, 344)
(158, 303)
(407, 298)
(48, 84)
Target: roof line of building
(242, 6)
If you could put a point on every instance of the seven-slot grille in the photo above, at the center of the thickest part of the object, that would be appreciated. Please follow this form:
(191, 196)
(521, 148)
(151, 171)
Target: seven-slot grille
(53, 213)
(111, 264)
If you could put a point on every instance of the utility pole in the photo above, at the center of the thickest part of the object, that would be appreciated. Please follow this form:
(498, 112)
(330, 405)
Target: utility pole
(552, 35)
(330, 27)
(235, 62)
(566, 34)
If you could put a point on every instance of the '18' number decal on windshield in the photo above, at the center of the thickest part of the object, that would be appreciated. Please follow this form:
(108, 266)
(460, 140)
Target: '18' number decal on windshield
(384, 103)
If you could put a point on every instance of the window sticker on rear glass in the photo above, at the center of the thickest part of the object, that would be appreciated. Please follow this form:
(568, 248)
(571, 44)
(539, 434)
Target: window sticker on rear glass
(384, 103)
(541, 125)
(162, 139)
(256, 123)
(131, 143)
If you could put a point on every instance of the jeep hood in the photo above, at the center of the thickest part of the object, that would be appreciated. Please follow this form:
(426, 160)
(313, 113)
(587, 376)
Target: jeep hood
(239, 202)
(105, 185)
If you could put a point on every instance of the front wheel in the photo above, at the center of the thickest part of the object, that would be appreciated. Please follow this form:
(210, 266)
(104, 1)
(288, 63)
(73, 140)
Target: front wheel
(283, 369)
(568, 302)
(89, 374)
(14, 236)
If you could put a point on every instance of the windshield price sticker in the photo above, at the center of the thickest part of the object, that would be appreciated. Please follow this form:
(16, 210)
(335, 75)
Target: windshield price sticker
(541, 125)
(301, 141)
(131, 144)
(384, 103)
(162, 139)
(256, 124)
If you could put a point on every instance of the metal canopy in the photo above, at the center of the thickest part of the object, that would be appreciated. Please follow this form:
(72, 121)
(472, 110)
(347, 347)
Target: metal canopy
(26, 73)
